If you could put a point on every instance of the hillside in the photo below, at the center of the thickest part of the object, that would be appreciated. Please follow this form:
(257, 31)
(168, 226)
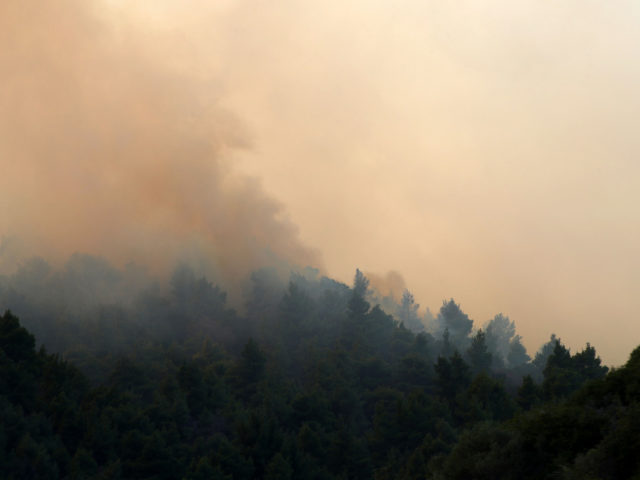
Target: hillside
(310, 382)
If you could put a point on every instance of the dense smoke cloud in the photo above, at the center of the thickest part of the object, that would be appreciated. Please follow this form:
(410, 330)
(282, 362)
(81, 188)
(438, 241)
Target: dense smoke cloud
(105, 148)
(484, 150)
(391, 284)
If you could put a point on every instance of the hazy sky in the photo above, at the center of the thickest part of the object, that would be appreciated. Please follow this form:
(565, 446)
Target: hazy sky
(485, 150)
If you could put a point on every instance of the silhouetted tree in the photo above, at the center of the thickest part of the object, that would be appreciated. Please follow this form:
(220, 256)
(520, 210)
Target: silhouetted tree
(452, 376)
(517, 353)
(499, 332)
(446, 349)
(252, 363)
(478, 353)
(529, 393)
(452, 318)
(16, 342)
(540, 360)
(408, 312)
(560, 378)
(357, 309)
(358, 306)
(588, 365)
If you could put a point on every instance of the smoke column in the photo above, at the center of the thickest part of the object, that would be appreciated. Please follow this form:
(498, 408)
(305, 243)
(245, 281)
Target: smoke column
(485, 150)
(106, 149)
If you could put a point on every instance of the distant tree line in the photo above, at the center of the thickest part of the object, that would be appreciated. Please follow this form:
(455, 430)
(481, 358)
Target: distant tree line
(309, 381)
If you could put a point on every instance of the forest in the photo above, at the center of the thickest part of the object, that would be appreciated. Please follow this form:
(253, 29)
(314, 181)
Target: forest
(107, 373)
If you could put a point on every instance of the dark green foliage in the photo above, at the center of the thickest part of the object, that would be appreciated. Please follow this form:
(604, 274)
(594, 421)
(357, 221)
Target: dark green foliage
(517, 355)
(529, 394)
(446, 349)
(456, 322)
(540, 360)
(490, 398)
(478, 353)
(16, 343)
(560, 378)
(500, 331)
(311, 382)
(563, 373)
(408, 312)
(252, 362)
(452, 376)
(486, 452)
(593, 434)
(588, 365)
(358, 306)
(278, 469)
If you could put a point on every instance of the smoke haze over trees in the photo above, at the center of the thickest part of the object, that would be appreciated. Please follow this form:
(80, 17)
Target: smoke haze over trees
(107, 151)
(126, 131)
(163, 316)
(311, 381)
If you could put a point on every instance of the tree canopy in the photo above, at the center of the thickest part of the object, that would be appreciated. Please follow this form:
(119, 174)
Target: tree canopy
(310, 381)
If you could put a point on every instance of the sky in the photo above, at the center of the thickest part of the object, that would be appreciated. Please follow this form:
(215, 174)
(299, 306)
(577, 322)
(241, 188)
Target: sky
(480, 150)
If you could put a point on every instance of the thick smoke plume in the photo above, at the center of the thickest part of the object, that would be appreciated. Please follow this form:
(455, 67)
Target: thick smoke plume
(391, 284)
(105, 148)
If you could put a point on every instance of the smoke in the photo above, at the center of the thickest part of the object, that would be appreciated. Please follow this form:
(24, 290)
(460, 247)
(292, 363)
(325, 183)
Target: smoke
(111, 147)
(485, 150)
(391, 284)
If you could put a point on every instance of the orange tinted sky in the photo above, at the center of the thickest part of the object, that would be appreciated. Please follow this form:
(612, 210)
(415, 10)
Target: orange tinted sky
(485, 150)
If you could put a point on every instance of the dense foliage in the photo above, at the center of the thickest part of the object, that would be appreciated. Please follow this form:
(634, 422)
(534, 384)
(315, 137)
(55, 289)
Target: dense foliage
(311, 382)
